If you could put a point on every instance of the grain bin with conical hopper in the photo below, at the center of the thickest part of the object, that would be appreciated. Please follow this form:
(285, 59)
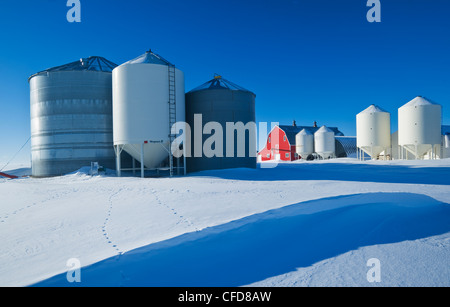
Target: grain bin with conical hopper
(324, 143)
(222, 102)
(304, 143)
(419, 129)
(445, 145)
(148, 99)
(71, 117)
(373, 131)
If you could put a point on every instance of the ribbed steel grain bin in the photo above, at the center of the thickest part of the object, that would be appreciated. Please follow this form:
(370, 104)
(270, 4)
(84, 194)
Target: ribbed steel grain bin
(221, 101)
(71, 117)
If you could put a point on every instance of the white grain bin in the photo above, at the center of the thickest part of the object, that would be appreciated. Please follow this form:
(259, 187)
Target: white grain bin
(142, 89)
(373, 131)
(419, 123)
(324, 142)
(304, 143)
(446, 146)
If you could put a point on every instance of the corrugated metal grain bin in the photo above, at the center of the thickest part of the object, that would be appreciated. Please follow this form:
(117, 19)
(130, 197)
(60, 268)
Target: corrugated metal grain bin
(221, 101)
(71, 117)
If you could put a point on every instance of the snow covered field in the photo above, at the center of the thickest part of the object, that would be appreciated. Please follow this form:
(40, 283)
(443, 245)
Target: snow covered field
(299, 224)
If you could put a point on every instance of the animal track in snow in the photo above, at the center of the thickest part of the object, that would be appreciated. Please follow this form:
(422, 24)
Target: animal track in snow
(106, 222)
(182, 219)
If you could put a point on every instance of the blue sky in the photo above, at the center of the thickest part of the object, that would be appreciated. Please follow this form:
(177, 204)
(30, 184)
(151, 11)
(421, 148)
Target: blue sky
(308, 60)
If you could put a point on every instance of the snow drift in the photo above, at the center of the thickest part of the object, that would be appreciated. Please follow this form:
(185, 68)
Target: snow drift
(299, 224)
(276, 242)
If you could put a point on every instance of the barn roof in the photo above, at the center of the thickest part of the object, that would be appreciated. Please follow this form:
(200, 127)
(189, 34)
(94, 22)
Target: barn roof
(292, 131)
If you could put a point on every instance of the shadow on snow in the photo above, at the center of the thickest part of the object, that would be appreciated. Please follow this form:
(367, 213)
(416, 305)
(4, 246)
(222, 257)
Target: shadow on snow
(337, 171)
(271, 243)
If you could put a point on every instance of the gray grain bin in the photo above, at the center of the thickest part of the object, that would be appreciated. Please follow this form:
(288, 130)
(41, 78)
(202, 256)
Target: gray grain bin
(220, 101)
(71, 117)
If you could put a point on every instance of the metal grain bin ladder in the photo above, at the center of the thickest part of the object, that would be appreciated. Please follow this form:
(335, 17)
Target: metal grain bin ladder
(172, 112)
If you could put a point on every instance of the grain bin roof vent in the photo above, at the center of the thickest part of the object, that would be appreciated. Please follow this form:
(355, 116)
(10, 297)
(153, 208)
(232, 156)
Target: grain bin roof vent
(218, 82)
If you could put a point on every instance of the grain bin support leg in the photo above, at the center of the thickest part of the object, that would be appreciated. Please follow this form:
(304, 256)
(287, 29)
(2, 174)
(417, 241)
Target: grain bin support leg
(142, 160)
(118, 162)
(184, 158)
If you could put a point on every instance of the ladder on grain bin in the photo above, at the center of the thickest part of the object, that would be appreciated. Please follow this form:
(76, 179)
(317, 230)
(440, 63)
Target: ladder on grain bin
(172, 112)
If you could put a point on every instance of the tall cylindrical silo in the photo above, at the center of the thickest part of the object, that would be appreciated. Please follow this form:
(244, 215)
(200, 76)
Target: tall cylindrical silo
(373, 131)
(324, 142)
(71, 117)
(148, 98)
(419, 128)
(221, 116)
(304, 143)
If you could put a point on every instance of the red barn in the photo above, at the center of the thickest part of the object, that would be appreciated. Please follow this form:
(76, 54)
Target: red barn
(280, 143)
